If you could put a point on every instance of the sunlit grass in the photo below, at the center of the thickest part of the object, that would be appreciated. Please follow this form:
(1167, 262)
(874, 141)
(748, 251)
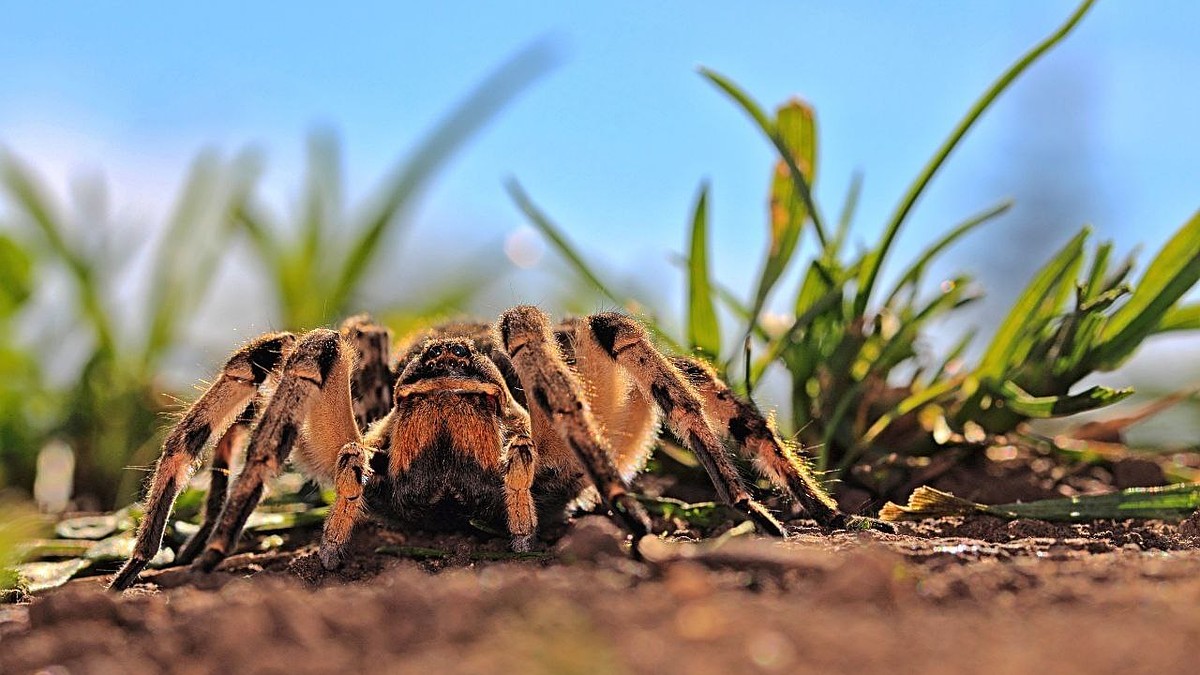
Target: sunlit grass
(849, 340)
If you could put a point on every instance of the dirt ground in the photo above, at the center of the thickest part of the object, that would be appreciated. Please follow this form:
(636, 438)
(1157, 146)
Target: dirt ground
(949, 596)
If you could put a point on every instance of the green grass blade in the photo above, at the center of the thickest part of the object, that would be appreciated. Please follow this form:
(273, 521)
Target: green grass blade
(733, 303)
(704, 331)
(909, 404)
(1045, 407)
(721, 292)
(178, 256)
(1186, 317)
(776, 348)
(1055, 303)
(954, 294)
(16, 276)
(300, 308)
(1087, 329)
(836, 427)
(705, 514)
(796, 126)
(748, 105)
(846, 218)
(322, 199)
(558, 240)
(1011, 339)
(1093, 286)
(955, 353)
(1120, 274)
(913, 274)
(446, 300)
(818, 281)
(259, 229)
(875, 260)
(1172, 273)
(769, 129)
(26, 191)
(397, 193)
(1104, 300)
(1173, 502)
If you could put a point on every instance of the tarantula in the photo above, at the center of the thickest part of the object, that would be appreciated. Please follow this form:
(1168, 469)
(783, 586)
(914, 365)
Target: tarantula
(514, 423)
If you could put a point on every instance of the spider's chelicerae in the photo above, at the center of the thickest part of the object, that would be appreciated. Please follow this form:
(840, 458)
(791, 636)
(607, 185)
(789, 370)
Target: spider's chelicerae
(516, 423)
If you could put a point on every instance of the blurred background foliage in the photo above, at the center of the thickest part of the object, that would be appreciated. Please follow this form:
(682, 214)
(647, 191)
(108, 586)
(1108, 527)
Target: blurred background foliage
(112, 410)
(86, 334)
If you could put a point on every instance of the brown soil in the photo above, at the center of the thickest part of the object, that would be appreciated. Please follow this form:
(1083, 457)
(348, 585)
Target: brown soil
(949, 596)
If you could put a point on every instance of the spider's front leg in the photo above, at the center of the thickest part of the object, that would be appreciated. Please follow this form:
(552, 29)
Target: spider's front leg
(625, 340)
(233, 440)
(211, 414)
(314, 387)
(549, 384)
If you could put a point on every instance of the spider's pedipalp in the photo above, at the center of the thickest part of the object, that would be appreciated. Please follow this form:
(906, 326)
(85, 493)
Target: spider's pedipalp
(626, 342)
(317, 372)
(212, 414)
(352, 471)
(520, 467)
(554, 394)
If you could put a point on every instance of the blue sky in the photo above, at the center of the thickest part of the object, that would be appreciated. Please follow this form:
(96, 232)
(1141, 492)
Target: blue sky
(614, 142)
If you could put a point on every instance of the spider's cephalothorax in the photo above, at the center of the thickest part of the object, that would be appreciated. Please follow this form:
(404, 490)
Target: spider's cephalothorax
(514, 423)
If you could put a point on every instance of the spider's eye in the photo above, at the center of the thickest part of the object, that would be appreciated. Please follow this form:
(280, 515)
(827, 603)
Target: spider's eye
(435, 351)
(459, 351)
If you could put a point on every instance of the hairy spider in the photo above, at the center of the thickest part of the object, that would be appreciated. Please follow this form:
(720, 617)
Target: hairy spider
(515, 423)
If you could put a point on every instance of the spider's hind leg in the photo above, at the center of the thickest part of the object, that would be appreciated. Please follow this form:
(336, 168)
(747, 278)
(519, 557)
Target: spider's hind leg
(552, 390)
(232, 441)
(756, 439)
(625, 340)
(222, 403)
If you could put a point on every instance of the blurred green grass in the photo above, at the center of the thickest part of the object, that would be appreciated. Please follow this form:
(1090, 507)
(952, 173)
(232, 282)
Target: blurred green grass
(113, 408)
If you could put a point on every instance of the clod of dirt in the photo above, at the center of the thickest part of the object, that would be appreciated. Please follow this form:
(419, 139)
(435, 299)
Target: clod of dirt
(1027, 528)
(985, 528)
(307, 568)
(1191, 527)
(871, 574)
(1132, 472)
(687, 580)
(591, 539)
(74, 604)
